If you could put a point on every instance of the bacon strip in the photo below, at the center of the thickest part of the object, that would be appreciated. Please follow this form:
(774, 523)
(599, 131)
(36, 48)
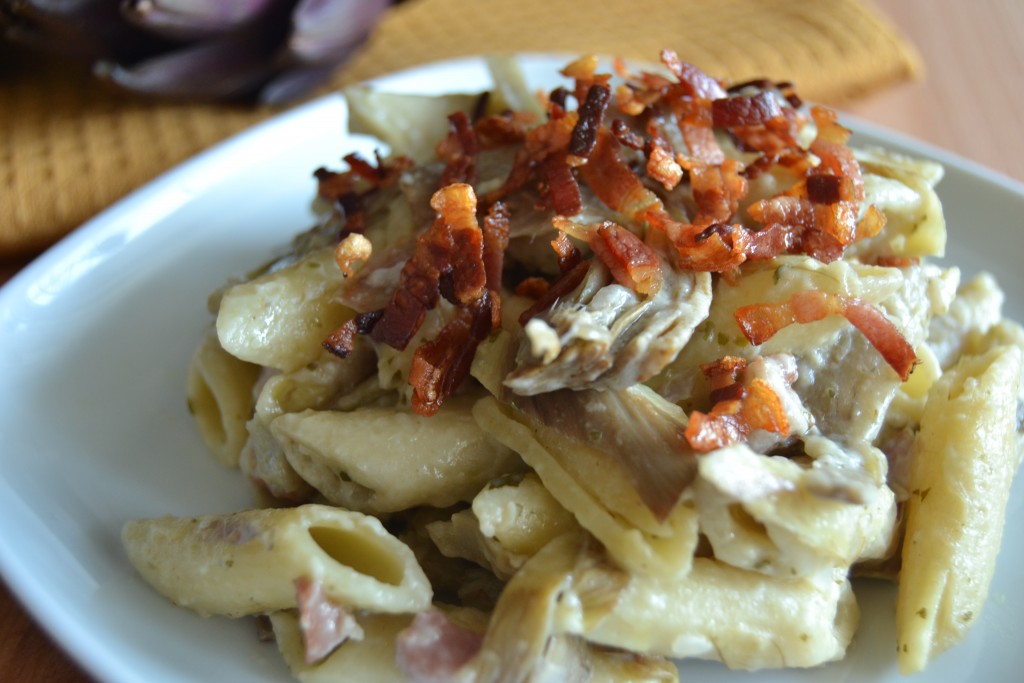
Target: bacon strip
(732, 421)
(697, 83)
(737, 408)
(614, 182)
(562, 188)
(584, 135)
(456, 206)
(723, 376)
(744, 110)
(459, 151)
(568, 253)
(496, 229)
(451, 247)
(342, 341)
(632, 263)
(760, 322)
(717, 191)
(440, 365)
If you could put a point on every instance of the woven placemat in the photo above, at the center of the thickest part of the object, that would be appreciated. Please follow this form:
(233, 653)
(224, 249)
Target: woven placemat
(69, 148)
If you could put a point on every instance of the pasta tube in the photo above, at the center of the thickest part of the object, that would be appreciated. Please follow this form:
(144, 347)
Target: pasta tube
(248, 562)
(963, 465)
(280, 318)
(220, 389)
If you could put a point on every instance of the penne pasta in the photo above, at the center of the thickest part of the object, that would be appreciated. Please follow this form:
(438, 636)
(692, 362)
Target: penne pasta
(279, 319)
(220, 390)
(963, 464)
(248, 562)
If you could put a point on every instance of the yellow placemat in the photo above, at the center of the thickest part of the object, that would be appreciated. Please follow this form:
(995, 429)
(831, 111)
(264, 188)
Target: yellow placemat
(69, 148)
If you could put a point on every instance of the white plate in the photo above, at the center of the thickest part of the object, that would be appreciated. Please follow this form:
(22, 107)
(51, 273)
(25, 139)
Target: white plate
(94, 341)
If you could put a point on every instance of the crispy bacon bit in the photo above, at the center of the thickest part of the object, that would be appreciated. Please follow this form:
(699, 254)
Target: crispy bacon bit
(332, 185)
(533, 287)
(568, 253)
(761, 322)
(717, 191)
(452, 246)
(826, 189)
(433, 649)
(456, 206)
(697, 83)
(584, 71)
(346, 191)
(551, 136)
(363, 168)
(614, 182)
(584, 135)
(664, 168)
(384, 174)
(324, 623)
(417, 292)
(558, 97)
(630, 102)
(694, 117)
(440, 365)
(744, 110)
(581, 69)
(352, 248)
(625, 136)
(731, 421)
(718, 247)
(342, 341)
(459, 151)
(495, 229)
(871, 223)
(561, 185)
(501, 130)
(632, 263)
(778, 138)
(723, 376)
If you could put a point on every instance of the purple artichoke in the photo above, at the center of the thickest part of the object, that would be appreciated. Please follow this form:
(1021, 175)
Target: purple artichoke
(266, 51)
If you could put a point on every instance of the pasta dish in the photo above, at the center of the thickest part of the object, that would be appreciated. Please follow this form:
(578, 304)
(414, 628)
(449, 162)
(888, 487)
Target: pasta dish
(566, 386)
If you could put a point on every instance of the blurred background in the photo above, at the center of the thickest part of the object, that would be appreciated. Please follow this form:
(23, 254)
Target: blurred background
(97, 97)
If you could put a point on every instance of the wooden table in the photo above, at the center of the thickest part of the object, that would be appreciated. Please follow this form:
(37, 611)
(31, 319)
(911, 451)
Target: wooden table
(970, 102)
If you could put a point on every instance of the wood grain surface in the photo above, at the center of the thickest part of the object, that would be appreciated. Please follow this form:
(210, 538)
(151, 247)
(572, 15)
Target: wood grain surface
(969, 101)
